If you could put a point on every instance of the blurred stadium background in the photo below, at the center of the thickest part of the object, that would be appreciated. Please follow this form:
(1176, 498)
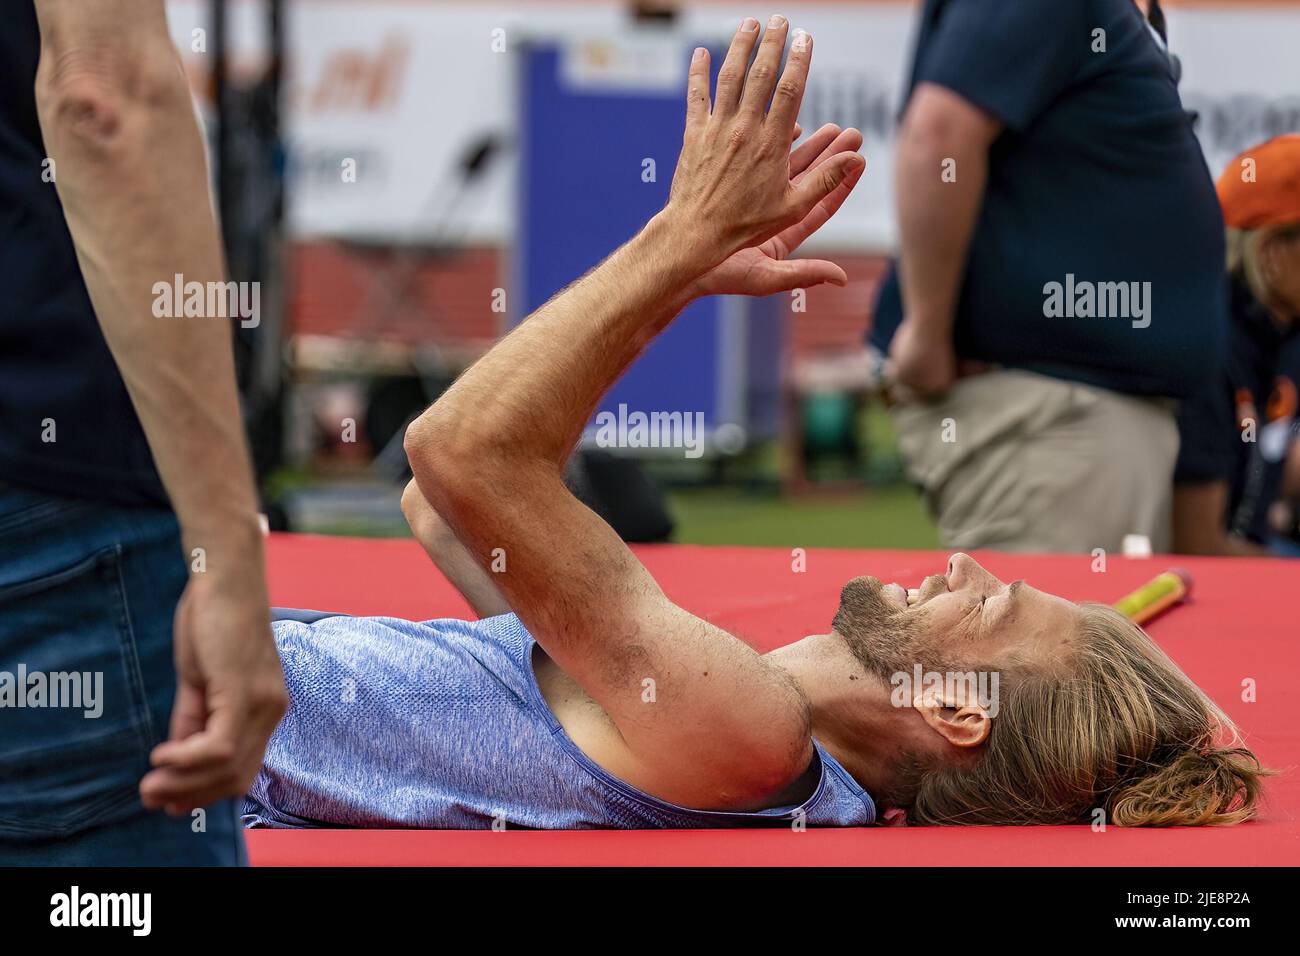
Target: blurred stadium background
(408, 178)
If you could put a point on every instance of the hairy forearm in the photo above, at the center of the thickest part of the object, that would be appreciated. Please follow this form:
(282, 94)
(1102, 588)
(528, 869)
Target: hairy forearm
(530, 398)
(452, 558)
(488, 456)
(129, 166)
(936, 218)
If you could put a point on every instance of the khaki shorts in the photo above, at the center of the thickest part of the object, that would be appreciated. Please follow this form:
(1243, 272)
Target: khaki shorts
(1018, 461)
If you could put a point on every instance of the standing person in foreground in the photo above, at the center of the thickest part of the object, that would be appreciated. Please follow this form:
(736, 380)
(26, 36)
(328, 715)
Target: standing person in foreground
(1060, 274)
(600, 703)
(93, 562)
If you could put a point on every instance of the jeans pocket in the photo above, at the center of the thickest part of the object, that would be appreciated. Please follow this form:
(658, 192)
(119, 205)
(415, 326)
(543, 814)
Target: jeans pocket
(75, 729)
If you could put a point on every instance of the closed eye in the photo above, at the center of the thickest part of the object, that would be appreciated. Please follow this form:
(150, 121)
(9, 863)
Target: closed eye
(979, 623)
(1007, 607)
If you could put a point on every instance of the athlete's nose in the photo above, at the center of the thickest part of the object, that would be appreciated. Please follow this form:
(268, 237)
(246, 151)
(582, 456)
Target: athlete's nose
(965, 572)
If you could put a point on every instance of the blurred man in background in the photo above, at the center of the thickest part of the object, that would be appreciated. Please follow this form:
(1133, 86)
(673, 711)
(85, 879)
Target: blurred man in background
(1059, 276)
(1238, 431)
(92, 571)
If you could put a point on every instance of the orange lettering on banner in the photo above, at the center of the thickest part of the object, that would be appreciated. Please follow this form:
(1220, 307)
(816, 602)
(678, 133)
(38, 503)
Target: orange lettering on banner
(353, 79)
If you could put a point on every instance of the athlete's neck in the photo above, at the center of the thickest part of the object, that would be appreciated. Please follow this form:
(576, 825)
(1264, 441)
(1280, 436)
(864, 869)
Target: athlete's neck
(852, 715)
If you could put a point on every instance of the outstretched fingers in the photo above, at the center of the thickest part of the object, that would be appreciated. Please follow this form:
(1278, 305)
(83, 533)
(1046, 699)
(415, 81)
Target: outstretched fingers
(697, 90)
(731, 76)
(788, 96)
(813, 148)
(767, 65)
(841, 141)
(821, 193)
(790, 274)
(825, 179)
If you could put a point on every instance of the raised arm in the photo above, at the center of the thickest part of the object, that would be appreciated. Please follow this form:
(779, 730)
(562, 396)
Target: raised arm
(451, 557)
(117, 119)
(488, 454)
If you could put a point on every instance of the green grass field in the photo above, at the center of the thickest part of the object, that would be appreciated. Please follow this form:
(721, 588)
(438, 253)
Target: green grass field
(745, 509)
(887, 513)
(886, 517)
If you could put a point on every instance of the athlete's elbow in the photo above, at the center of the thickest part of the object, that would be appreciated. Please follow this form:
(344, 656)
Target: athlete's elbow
(459, 438)
(757, 776)
(445, 459)
(766, 764)
(100, 101)
(432, 450)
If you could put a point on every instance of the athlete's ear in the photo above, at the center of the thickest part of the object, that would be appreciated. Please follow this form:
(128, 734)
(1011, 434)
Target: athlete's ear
(962, 724)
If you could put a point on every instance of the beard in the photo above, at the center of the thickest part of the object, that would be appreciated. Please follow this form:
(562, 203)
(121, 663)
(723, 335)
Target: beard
(885, 640)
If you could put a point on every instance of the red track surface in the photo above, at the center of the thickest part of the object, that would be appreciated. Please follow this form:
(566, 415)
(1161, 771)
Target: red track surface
(1242, 623)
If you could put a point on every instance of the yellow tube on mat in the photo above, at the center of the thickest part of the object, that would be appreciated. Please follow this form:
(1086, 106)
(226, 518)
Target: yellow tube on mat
(1156, 596)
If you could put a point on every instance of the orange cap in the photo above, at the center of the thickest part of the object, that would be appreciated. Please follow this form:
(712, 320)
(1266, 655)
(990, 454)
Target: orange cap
(1267, 191)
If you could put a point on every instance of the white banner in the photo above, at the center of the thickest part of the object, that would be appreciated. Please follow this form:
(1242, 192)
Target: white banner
(399, 91)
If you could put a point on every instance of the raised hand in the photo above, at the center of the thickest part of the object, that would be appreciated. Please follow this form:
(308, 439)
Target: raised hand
(738, 189)
(767, 269)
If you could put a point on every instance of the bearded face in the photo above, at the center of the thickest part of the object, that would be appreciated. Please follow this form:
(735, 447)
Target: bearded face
(884, 637)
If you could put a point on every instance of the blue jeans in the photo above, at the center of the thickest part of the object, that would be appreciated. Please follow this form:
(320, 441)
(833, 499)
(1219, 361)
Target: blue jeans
(87, 596)
(1284, 547)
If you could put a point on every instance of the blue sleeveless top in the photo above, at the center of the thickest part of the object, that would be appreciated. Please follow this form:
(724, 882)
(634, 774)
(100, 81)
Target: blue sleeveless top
(441, 725)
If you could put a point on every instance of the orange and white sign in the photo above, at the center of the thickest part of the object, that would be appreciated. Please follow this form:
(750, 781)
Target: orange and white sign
(385, 96)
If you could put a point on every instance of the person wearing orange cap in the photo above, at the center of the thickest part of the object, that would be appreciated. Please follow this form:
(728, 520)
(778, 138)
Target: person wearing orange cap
(1238, 432)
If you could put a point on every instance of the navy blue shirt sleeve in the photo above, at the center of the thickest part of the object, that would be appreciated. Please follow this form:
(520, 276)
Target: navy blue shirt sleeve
(1206, 433)
(1011, 58)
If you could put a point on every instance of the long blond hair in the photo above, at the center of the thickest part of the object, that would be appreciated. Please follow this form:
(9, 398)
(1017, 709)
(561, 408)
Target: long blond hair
(1246, 258)
(1116, 728)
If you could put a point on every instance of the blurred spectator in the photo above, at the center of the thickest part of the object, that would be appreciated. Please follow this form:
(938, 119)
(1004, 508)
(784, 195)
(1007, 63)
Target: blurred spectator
(1059, 278)
(1238, 432)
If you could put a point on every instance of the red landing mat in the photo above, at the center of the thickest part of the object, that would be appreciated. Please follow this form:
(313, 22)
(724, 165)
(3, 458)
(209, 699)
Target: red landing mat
(1240, 627)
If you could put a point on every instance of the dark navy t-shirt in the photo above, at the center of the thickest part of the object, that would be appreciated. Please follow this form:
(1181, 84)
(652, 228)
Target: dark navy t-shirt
(67, 425)
(1239, 429)
(1096, 179)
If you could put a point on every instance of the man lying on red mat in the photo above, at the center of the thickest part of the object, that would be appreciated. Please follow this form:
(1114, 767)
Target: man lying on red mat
(585, 698)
